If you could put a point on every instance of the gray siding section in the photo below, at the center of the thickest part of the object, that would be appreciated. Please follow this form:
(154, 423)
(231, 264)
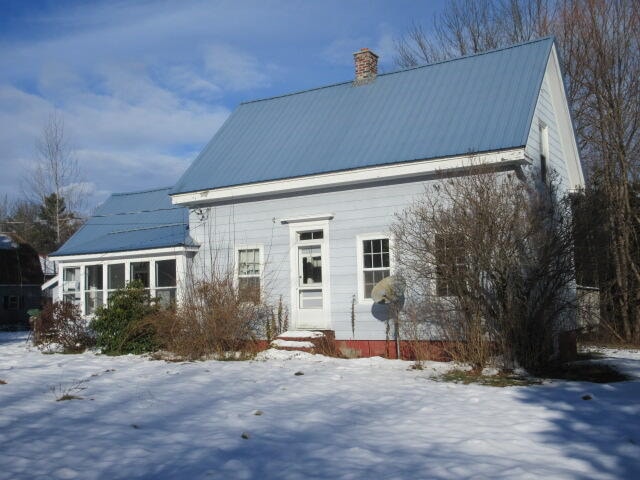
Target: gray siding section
(221, 229)
(545, 112)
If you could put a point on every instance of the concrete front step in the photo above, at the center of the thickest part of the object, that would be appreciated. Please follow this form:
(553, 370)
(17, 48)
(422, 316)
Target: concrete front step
(311, 341)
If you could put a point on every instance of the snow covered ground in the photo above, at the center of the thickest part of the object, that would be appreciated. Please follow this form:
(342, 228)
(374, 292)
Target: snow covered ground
(352, 419)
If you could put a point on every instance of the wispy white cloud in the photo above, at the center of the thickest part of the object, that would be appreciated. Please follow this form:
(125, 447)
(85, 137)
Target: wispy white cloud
(143, 86)
(233, 69)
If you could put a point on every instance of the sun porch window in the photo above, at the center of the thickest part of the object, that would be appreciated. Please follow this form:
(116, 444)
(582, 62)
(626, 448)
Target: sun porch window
(71, 285)
(166, 281)
(93, 295)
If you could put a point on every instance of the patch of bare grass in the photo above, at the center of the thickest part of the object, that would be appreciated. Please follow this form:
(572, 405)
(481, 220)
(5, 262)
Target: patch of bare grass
(503, 379)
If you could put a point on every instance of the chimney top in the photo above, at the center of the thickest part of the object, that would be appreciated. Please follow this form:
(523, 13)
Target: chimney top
(366, 64)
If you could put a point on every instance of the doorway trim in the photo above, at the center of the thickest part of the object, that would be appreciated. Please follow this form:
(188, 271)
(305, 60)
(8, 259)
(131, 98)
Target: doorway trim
(294, 243)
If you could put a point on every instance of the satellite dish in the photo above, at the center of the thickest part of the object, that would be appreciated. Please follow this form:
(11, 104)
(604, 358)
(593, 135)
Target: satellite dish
(388, 290)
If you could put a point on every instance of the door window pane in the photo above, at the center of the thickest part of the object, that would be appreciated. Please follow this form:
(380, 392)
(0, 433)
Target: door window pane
(115, 274)
(310, 265)
(311, 299)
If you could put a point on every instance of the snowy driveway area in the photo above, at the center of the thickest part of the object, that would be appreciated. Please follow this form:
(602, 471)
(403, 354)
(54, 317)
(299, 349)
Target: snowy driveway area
(352, 419)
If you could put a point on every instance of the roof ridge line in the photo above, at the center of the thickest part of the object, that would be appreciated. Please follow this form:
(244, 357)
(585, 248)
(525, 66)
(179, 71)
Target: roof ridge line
(136, 192)
(464, 57)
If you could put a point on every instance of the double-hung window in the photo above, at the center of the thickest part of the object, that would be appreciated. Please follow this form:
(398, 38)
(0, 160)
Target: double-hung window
(249, 274)
(374, 262)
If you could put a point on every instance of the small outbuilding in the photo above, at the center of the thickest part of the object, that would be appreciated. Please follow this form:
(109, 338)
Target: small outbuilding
(20, 279)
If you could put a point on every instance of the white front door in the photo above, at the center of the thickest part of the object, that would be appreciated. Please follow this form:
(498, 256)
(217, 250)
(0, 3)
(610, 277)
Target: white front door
(310, 278)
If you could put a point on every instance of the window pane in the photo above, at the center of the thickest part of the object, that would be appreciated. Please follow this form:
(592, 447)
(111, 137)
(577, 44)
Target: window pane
(311, 260)
(450, 264)
(71, 280)
(385, 245)
(385, 260)
(115, 274)
(93, 300)
(377, 246)
(93, 277)
(367, 261)
(371, 278)
(249, 289)
(315, 235)
(166, 296)
(166, 273)
(140, 271)
(71, 298)
(377, 260)
(249, 262)
(71, 274)
(366, 246)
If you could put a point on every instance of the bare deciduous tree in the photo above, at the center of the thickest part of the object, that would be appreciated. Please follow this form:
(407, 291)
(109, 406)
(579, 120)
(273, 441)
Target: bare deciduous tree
(599, 46)
(56, 175)
(472, 26)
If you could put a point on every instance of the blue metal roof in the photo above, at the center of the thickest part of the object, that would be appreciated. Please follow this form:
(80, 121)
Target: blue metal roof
(478, 103)
(131, 221)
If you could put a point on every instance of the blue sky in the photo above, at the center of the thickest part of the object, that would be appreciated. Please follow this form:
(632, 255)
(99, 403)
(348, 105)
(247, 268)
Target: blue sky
(142, 86)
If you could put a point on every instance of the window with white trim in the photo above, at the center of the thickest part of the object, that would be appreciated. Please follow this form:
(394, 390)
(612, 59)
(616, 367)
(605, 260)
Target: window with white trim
(71, 285)
(166, 282)
(139, 271)
(115, 277)
(249, 272)
(375, 263)
(93, 296)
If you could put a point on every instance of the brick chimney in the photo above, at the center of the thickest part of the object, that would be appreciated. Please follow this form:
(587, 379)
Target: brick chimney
(366, 66)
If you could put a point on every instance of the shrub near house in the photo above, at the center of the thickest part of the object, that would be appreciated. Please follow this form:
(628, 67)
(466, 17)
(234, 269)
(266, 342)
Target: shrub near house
(119, 327)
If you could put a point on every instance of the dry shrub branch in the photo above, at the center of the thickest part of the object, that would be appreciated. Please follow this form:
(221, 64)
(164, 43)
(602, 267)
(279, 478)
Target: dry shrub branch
(487, 259)
(215, 318)
(60, 323)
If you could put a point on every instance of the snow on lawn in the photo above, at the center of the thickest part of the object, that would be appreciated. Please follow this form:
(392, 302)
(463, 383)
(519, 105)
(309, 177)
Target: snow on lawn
(351, 419)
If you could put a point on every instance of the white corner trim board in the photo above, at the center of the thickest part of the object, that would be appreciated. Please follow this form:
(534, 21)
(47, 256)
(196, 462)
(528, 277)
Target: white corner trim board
(361, 175)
